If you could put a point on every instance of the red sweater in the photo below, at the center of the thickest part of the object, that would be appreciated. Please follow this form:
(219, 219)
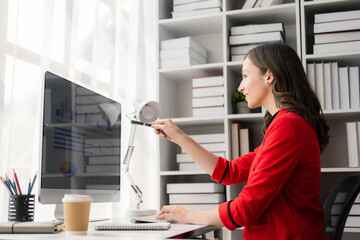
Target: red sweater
(281, 197)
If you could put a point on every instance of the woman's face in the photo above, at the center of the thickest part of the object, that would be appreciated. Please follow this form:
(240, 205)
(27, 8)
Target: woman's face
(254, 85)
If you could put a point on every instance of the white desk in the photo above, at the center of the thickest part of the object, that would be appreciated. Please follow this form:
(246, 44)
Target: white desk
(177, 231)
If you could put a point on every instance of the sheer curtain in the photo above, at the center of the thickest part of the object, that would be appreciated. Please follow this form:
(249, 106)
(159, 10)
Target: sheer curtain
(105, 45)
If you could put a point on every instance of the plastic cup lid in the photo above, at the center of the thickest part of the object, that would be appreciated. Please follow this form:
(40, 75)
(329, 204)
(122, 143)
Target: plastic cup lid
(76, 198)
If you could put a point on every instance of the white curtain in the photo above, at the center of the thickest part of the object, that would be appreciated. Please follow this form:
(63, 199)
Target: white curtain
(105, 45)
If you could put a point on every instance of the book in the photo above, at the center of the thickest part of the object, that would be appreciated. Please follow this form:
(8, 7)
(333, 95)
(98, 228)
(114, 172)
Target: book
(208, 102)
(319, 81)
(310, 72)
(243, 49)
(195, 188)
(197, 12)
(327, 86)
(189, 167)
(354, 87)
(336, 16)
(337, 47)
(208, 91)
(182, 43)
(244, 141)
(192, 198)
(133, 226)
(179, 62)
(344, 87)
(31, 227)
(352, 144)
(208, 111)
(256, 38)
(198, 207)
(212, 147)
(266, 3)
(337, 26)
(335, 85)
(182, 52)
(235, 145)
(184, 158)
(336, 37)
(178, 2)
(210, 81)
(248, 4)
(239, 57)
(209, 138)
(197, 5)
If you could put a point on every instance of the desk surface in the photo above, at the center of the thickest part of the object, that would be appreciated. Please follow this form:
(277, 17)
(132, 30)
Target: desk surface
(176, 231)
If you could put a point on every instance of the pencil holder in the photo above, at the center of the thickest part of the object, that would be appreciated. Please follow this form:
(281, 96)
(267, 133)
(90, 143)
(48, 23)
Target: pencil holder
(21, 208)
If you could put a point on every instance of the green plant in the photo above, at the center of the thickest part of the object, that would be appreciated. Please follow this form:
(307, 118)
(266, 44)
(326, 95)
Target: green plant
(238, 97)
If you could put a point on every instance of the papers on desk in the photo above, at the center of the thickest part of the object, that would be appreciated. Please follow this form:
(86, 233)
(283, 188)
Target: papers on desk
(133, 226)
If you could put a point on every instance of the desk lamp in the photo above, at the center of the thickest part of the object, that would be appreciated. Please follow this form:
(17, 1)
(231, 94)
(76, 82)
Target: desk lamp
(146, 111)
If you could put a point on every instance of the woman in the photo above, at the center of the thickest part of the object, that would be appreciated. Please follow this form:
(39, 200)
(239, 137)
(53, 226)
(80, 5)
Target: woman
(281, 197)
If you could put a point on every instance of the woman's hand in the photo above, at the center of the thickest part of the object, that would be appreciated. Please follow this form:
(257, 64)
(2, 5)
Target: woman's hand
(176, 213)
(166, 129)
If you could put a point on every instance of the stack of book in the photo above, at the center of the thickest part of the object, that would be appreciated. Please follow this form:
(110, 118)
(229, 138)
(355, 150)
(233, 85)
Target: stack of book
(260, 3)
(181, 52)
(353, 143)
(353, 220)
(214, 143)
(208, 96)
(336, 87)
(337, 32)
(196, 196)
(188, 8)
(244, 38)
(240, 140)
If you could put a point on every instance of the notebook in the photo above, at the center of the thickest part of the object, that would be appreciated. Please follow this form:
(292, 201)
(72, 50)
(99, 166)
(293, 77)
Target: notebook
(31, 227)
(133, 226)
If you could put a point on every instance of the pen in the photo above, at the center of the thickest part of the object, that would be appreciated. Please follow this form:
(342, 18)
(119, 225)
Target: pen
(17, 182)
(7, 188)
(33, 182)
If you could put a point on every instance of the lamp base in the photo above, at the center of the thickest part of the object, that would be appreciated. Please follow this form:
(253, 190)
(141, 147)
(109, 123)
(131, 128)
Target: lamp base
(139, 212)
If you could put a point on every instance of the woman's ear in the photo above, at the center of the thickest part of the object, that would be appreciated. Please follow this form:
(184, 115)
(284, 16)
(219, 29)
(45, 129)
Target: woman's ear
(269, 77)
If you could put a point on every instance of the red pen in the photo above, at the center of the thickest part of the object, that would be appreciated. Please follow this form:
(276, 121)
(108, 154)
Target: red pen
(17, 182)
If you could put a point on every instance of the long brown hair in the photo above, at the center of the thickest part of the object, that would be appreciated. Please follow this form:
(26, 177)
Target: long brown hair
(290, 87)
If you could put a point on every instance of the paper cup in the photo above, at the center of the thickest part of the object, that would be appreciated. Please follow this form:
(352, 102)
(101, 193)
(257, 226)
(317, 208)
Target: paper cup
(76, 213)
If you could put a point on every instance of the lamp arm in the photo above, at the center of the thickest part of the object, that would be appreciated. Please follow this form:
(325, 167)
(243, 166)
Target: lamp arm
(126, 164)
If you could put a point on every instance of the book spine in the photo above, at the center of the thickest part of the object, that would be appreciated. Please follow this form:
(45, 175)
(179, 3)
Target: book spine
(208, 102)
(319, 73)
(327, 87)
(344, 87)
(352, 145)
(335, 85)
(208, 81)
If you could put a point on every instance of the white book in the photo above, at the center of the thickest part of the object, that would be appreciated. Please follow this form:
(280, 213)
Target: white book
(327, 86)
(104, 160)
(244, 49)
(209, 138)
(249, 4)
(266, 3)
(91, 108)
(256, 38)
(182, 52)
(354, 87)
(182, 43)
(239, 57)
(208, 102)
(184, 158)
(196, 198)
(344, 88)
(103, 151)
(102, 142)
(257, 4)
(212, 147)
(337, 26)
(244, 141)
(195, 188)
(89, 99)
(335, 85)
(310, 70)
(336, 16)
(198, 207)
(197, 5)
(235, 144)
(336, 37)
(198, 12)
(190, 167)
(178, 62)
(210, 81)
(352, 145)
(337, 47)
(109, 168)
(178, 2)
(319, 80)
(256, 28)
(207, 112)
(208, 91)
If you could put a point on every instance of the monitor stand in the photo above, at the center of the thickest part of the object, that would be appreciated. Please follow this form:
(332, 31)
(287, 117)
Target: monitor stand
(59, 211)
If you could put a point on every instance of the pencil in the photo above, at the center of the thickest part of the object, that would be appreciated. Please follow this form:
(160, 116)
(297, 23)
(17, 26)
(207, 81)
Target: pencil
(14, 184)
(17, 182)
(7, 188)
(33, 182)
(9, 182)
(29, 187)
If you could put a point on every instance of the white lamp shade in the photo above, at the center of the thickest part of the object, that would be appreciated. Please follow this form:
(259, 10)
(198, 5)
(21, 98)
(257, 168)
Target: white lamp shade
(147, 111)
(110, 111)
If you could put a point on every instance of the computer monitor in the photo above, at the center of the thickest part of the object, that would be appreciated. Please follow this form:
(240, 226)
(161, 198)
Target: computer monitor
(80, 143)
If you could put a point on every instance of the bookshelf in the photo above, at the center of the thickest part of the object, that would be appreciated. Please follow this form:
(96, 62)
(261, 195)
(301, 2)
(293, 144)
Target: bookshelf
(212, 31)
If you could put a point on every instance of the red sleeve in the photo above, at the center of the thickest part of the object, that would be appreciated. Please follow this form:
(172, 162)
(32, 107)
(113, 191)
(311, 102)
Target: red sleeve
(235, 171)
(282, 148)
